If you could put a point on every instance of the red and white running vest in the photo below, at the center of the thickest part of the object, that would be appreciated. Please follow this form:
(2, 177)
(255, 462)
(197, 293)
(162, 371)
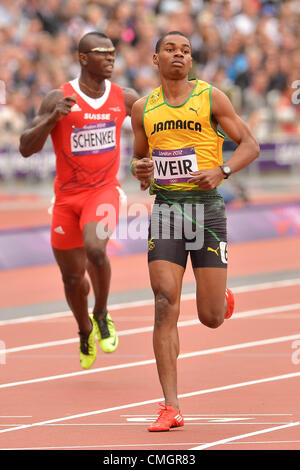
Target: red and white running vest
(87, 141)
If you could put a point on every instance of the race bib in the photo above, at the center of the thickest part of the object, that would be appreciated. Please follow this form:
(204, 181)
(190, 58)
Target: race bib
(174, 166)
(94, 138)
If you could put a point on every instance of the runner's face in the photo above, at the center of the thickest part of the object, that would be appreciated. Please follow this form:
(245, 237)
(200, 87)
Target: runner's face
(99, 62)
(174, 58)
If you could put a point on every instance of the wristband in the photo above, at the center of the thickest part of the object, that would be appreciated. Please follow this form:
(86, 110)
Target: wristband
(132, 163)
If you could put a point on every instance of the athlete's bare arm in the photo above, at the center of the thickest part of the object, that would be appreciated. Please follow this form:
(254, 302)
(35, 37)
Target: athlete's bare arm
(236, 129)
(53, 108)
(130, 97)
(143, 165)
(224, 114)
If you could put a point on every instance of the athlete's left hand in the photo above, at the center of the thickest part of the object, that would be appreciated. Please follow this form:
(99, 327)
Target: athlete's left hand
(207, 179)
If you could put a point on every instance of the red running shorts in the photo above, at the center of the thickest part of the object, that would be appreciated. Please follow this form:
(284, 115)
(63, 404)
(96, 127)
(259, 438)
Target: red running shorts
(71, 212)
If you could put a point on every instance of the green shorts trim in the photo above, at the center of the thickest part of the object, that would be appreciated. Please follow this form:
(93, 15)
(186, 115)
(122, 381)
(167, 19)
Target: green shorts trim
(194, 225)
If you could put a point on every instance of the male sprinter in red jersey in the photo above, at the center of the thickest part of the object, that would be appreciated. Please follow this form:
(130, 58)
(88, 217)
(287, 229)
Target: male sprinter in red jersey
(84, 118)
(179, 147)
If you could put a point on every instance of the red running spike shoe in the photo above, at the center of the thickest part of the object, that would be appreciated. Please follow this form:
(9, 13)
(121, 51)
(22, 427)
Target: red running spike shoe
(168, 417)
(230, 303)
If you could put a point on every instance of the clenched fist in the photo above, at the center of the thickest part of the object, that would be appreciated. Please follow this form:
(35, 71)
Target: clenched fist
(63, 107)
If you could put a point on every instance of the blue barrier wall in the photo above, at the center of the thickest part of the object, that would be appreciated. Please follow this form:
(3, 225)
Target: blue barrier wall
(31, 246)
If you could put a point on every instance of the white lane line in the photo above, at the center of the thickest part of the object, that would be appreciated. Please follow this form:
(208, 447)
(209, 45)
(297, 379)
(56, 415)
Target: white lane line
(265, 311)
(263, 442)
(212, 415)
(143, 303)
(159, 444)
(266, 285)
(146, 329)
(105, 446)
(154, 400)
(243, 436)
(143, 423)
(127, 365)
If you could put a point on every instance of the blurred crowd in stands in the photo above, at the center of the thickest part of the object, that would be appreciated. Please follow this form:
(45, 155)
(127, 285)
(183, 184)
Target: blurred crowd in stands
(248, 48)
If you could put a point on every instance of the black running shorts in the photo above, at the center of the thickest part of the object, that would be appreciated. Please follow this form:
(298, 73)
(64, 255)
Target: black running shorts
(188, 222)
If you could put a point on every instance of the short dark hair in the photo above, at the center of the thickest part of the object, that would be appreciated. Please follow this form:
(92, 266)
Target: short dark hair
(83, 40)
(158, 44)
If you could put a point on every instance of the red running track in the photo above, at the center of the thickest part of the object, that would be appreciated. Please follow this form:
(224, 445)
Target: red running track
(240, 379)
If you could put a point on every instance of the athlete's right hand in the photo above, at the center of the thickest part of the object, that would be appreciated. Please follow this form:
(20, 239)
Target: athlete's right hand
(63, 107)
(143, 169)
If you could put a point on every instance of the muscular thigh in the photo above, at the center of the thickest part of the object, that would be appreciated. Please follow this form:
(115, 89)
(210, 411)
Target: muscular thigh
(166, 277)
(72, 263)
(210, 290)
(210, 262)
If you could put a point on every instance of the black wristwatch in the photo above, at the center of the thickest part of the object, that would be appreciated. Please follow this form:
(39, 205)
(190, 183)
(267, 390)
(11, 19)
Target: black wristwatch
(226, 170)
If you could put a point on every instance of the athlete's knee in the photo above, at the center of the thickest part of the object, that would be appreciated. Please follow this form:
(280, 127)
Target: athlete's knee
(96, 254)
(211, 318)
(166, 306)
(73, 280)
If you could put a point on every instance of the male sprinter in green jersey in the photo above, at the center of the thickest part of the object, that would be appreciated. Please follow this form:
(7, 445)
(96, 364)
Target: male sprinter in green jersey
(178, 150)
